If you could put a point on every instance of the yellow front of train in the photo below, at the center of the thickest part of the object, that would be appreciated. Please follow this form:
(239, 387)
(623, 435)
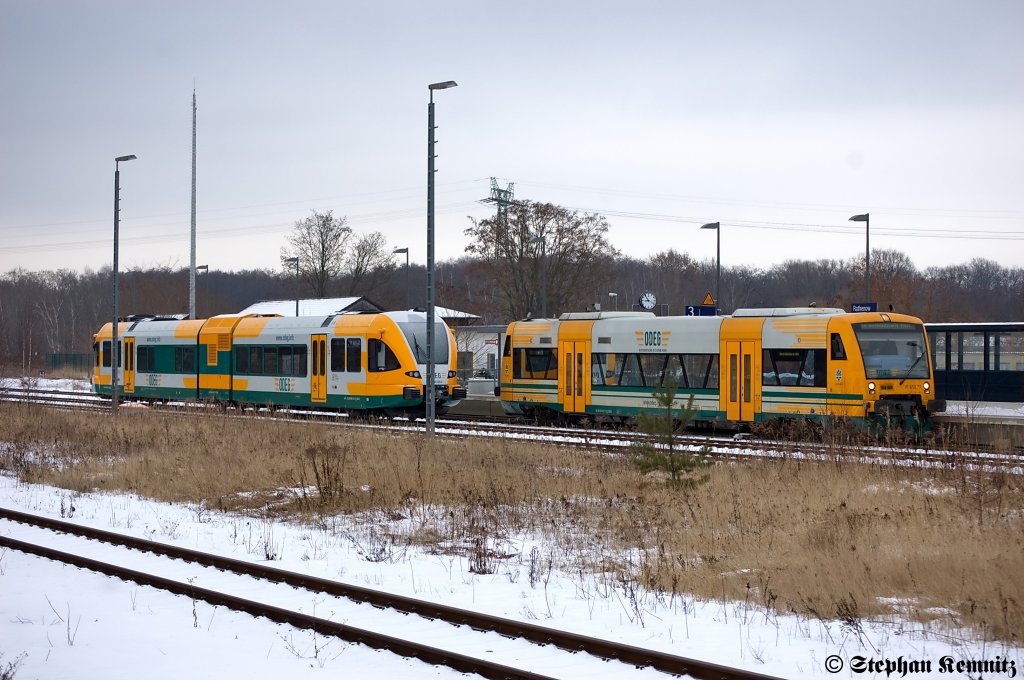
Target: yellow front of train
(880, 370)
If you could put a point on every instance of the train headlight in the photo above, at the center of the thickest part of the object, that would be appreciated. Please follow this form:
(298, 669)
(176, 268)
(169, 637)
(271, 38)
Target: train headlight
(451, 374)
(871, 388)
(413, 374)
(927, 387)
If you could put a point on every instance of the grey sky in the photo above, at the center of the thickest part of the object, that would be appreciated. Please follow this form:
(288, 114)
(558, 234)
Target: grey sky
(779, 119)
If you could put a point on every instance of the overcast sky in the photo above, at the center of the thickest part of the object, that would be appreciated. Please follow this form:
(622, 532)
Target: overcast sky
(778, 119)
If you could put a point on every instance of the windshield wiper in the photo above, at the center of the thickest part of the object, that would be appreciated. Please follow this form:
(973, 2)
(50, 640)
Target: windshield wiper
(910, 370)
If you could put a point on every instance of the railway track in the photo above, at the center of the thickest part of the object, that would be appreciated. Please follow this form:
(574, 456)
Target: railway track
(613, 441)
(550, 648)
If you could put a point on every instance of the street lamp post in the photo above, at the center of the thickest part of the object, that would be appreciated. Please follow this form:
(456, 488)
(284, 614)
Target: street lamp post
(718, 257)
(115, 358)
(429, 396)
(866, 219)
(615, 299)
(295, 261)
(399, 251)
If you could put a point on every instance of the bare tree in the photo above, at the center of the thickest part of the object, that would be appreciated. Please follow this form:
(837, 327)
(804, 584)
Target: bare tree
(542, 248)
(319, 242)
(369, 263)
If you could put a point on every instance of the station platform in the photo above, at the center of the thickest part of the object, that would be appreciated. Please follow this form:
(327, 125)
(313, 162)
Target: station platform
(989, 423)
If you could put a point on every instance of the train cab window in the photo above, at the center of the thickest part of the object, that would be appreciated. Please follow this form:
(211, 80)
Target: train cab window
(380, 357)
(106, 354)
(838, 350)
(353, 352)
(507, 352)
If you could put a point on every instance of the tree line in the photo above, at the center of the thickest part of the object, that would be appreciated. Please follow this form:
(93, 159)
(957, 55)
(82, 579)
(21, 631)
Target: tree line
(533, 257)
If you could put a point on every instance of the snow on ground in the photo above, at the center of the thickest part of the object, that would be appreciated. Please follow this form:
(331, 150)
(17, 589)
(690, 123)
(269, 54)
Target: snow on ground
(72, 623)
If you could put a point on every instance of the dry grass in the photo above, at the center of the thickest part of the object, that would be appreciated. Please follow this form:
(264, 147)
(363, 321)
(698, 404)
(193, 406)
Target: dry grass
(836, 541)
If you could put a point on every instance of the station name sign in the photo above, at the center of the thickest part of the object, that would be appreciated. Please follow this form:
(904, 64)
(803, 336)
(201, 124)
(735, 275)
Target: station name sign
(864, 307)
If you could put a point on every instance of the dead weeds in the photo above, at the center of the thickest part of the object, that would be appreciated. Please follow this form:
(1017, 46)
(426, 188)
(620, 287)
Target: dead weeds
(838, 541)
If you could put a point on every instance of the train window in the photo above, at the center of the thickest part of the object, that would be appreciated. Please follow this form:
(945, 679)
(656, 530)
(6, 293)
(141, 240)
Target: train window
(701, 370)
(337, 355)
(653, 366)
(711, 380)
(794, 367)
(629, 374)
(353, 352)
(535, 364)
(146, 362)
(299, 361)
(241, 360)
(1006, 351)
(106, 354)
(269, 361)
(674, 375)
(597, 368)
(184, 359)
(380, 357)
(838, 351)
(255, 360)
(284, 361)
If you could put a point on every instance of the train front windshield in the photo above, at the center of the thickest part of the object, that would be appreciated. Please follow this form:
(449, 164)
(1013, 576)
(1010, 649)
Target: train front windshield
(892, 349)
(416, 333)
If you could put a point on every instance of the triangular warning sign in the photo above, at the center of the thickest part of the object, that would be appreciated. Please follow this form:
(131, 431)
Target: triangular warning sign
(708, 300)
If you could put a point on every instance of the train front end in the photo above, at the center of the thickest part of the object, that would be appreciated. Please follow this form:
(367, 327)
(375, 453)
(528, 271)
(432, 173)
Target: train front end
(896, 381)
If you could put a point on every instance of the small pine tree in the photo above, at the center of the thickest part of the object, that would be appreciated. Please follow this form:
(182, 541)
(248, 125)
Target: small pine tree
(664, 454)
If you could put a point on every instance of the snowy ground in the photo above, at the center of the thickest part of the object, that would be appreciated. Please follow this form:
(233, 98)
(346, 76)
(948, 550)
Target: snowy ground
(63, 622)
(73, 623)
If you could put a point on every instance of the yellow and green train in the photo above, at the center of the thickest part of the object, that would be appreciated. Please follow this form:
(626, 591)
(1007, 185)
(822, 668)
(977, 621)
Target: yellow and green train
(754, 366)
(348, 362)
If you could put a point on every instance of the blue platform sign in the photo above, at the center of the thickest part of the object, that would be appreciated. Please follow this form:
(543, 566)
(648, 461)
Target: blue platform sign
(864, 307)
(701, 310)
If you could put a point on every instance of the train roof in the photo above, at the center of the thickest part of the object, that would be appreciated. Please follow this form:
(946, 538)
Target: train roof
(789, 311)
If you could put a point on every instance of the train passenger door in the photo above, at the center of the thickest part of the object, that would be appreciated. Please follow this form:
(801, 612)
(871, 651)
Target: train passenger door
(574, 358)
(318, 369)
(741, 380)
(129, 365)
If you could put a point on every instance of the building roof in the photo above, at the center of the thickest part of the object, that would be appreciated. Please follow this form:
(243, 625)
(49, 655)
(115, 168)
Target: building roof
(313, 306)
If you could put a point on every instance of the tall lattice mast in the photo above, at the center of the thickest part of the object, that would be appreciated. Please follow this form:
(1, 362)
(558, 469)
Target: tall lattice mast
(192, 256)
(503, 198)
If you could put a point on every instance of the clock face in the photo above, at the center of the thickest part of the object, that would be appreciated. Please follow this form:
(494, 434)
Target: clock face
(648, 300)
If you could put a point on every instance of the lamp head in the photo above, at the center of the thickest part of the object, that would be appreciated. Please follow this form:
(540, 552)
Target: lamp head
(121, 159)
(710, 225)
(442, 86)
(860, 218)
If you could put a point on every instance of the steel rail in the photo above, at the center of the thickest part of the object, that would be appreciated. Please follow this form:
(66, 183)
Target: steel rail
(406, 648)
(565, 640)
